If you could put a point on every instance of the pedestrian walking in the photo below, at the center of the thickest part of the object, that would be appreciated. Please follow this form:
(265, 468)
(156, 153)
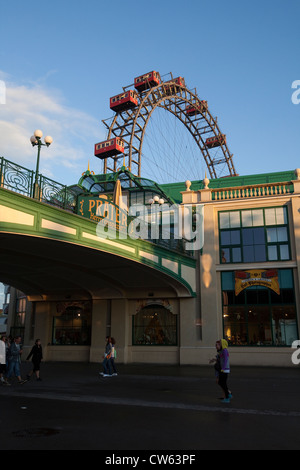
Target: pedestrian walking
(14, 360)
(113, 356)
(222, 368)
(37, 355)
(3, 368)
(106, 361)
(8, 342)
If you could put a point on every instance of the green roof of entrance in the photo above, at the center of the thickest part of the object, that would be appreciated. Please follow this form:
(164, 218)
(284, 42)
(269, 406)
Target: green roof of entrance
(97, 184)
(172, 191)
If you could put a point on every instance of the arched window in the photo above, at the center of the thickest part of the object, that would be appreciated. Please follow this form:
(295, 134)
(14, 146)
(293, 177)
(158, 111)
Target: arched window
(154, 325)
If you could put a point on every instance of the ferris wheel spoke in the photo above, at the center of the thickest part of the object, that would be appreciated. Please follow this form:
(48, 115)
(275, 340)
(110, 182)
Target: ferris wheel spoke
(148, 135)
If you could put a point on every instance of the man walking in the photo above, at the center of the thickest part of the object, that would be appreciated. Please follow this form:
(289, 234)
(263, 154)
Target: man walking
(14, 360)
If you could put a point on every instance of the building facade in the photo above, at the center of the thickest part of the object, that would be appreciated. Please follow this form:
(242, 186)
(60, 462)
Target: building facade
(249, 267)
(245, 282)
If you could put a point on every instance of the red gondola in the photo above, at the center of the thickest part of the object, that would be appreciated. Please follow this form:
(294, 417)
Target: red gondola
(124, 101)
(109, 148)
(197, 108)
(215, 141)
(143, 82)
(170, 85)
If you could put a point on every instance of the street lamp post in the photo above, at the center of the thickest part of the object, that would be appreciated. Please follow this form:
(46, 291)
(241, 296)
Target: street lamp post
(36, 139)
(156, 218)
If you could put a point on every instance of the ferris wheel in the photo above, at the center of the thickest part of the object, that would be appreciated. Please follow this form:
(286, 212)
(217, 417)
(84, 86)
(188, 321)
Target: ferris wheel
(134, 109)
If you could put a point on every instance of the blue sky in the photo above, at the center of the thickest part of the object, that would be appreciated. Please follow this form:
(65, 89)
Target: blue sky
(61, 61)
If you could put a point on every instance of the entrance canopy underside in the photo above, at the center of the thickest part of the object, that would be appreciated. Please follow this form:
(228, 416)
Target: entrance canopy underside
(46, 269)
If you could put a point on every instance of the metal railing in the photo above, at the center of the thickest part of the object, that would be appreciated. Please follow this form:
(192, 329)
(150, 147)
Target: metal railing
(21, 180)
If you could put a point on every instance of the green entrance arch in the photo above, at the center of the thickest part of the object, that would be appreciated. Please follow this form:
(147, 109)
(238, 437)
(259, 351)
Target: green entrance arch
(47, 251)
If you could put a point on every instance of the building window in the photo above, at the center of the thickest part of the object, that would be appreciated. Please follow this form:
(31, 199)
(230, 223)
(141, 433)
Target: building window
(72, 325)
(142, 197)
(259, 316)
(254, 236)
(154, 325)
(18, 324)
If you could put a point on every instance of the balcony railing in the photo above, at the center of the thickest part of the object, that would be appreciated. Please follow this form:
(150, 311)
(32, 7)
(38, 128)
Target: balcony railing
(21, 180)
(255, 191)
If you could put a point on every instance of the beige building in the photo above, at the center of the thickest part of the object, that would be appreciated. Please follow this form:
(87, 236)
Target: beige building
(249, 266)
(244, 284)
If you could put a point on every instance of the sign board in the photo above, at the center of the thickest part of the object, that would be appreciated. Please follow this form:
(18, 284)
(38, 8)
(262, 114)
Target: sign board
(257, 277)
(102, 209)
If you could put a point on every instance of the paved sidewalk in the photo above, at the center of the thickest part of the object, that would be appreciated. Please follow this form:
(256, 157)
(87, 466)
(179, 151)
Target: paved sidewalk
(150, 407)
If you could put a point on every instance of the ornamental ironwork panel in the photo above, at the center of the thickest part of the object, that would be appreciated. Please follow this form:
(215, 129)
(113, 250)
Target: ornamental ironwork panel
(21, 180)
(16, 178)
(56, 194)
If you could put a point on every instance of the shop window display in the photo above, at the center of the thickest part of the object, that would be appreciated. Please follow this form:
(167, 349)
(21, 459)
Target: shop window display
(155, 325)
(258, 316)
(72, 324)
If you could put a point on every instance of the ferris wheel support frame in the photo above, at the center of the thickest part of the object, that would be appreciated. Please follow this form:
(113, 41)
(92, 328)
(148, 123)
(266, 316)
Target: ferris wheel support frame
(131, 124)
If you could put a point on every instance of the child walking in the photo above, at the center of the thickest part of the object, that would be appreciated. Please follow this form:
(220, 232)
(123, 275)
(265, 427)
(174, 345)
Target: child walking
(222, 368)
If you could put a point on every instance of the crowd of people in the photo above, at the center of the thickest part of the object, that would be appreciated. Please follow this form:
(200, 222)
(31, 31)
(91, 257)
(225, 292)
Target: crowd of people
(11, 350)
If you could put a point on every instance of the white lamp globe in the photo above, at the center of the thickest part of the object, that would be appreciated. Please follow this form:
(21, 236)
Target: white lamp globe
(38, 134)
(48, 140)
(33, 140)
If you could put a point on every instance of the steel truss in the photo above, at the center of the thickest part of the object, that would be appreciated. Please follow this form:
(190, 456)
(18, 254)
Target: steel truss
(130, 125)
